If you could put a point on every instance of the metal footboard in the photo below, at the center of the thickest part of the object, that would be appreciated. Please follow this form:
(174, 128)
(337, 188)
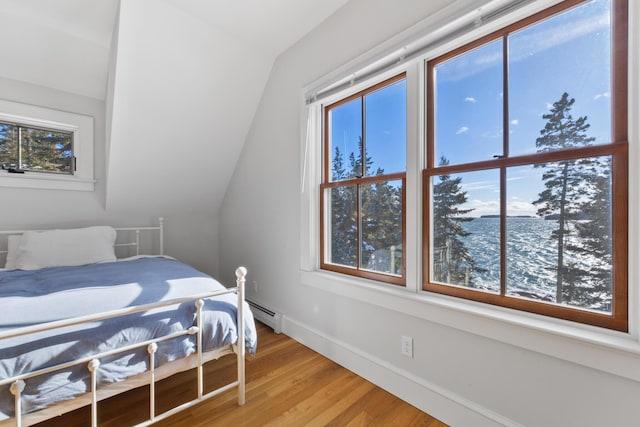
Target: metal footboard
(17, 383)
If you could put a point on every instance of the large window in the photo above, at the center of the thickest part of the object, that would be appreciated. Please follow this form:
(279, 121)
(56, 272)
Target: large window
(518, 149)
(525, 185)
(363, 189)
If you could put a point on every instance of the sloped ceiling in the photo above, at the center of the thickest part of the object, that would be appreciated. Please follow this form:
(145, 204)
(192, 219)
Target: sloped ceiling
(186, 77)
(64, 44)
(60, 44)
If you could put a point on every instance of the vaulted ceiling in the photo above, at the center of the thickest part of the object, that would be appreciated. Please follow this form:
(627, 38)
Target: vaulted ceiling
(61, 44)
(181, 81)
(64, 44)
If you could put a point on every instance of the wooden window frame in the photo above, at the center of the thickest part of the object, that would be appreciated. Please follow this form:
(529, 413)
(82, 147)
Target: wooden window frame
(327, 184)
(617, 149)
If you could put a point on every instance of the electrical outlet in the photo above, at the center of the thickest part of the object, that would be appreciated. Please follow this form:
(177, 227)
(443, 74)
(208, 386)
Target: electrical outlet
(406, 346)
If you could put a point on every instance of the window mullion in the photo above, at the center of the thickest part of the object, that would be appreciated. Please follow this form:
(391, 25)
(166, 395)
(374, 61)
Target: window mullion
(359, 227)
(503, 231)
(363, 161)
(363, 137)
(503, 169)
(19, 165)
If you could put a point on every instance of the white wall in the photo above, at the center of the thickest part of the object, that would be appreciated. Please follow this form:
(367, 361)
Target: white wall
(62, 45)
(457, 374)
(32, 208)
(22, 208)
(180, 97)
(183, 96)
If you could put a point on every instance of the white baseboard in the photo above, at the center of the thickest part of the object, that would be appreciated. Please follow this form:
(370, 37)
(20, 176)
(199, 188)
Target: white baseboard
(445, 405)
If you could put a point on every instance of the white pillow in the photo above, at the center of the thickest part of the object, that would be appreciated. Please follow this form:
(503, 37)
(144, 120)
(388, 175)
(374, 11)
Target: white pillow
(13, 242)
(53, 248)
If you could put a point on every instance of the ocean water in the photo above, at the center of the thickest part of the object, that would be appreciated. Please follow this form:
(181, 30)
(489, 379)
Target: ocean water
(531, 255)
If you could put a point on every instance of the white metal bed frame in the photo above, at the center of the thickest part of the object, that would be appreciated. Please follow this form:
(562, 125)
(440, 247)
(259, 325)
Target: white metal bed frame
(150, 377)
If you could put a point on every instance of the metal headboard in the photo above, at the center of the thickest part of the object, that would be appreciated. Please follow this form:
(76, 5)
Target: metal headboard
(120, 230)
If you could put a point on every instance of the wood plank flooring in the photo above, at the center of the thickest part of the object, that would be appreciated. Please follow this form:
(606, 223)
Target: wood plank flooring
(287, 385)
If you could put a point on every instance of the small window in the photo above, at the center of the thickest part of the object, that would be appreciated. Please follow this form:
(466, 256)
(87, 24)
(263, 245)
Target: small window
(363, 189)
(44, 148)
(27, 148)
(525, 185)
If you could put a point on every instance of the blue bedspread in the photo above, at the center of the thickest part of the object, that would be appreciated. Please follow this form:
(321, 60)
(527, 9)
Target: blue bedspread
(32, 297)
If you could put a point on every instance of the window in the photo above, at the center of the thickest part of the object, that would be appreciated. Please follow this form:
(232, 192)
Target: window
(27, 148)
(525, 185)
(363, 190)
(50, 149)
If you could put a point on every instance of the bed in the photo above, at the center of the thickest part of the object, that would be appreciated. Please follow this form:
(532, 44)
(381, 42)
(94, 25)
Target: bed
(78, 324)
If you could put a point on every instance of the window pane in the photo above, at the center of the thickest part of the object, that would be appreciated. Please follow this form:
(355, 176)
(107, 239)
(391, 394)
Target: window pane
(381, 216)
(563, 252)
(466, 230)
(34, 149)
(567, 53)
(46, 150)
(468, 113)
(8, 146)
(386, 129)
(343, 230)
(346, 140)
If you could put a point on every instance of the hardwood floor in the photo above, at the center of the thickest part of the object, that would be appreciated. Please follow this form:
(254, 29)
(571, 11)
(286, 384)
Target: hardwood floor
(287, 385)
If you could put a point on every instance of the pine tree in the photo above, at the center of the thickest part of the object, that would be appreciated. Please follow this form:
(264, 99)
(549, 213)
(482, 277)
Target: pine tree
(8, 145)
(380, 216)
(594, 241)
(451, 259)
(46, 150)
(563, 180)
(344, 235)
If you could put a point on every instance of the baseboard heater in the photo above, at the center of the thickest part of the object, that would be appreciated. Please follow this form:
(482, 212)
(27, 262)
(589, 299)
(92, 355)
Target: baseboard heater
(266, 316)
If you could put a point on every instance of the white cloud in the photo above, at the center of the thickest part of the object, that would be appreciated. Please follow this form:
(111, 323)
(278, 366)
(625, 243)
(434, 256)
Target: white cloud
(538, 41)
(515, 122)
(480, 185)
(470, 99)
(492, 207)
(482, 207)
(492, 134)
(515, 208)
(527, 43)
(602, 95)
(463, 129)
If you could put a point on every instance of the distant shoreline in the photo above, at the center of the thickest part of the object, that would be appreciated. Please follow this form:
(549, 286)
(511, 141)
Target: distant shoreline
(508, 216)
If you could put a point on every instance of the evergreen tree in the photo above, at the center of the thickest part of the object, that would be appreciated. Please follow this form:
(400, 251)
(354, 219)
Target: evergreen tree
(451, 259)
(8, 145)
(46, 150)
(344, 231)
(380, 216)
(564, 180)
(39, 149)
(381, 213)
(593, 287)
(337, 166)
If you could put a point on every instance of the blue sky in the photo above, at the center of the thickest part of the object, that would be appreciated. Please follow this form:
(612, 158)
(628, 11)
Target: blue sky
(385, 115)
(562, 54)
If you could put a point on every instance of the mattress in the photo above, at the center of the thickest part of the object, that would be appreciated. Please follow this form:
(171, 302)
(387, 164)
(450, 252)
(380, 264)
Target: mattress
(56, 293)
